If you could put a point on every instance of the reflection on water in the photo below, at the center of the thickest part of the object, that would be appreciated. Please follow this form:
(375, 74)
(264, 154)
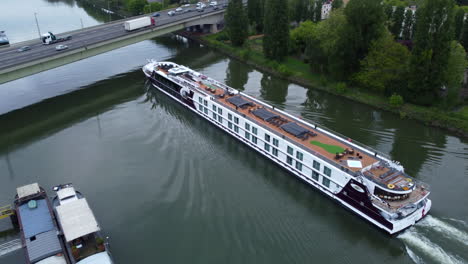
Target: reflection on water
(185, 191)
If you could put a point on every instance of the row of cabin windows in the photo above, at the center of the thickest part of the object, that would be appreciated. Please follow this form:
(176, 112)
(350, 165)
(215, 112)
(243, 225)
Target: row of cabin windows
(167, 83)
(290, 150)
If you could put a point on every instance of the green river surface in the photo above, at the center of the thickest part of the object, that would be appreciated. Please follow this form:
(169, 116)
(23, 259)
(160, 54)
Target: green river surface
(168, 187)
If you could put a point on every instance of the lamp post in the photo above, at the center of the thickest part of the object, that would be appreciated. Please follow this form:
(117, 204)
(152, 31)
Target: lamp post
(37, 24)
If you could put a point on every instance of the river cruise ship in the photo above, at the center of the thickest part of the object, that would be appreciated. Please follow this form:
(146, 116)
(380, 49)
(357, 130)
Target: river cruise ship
(361, 179)
(39, 231)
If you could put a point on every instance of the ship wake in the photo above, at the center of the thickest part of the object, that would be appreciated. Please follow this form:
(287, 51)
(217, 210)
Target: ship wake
(436, 241)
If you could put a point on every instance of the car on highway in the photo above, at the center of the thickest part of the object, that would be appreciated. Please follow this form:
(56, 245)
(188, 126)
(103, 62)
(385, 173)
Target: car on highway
(215, 7)
(225, 5)
(155, 14)
(24, 48)
(213, 3)
(187, 5)
(179, 9)
(200, 9)
(61, 47)
(171, 13)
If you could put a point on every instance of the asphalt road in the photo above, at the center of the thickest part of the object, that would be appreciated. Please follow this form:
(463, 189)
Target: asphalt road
(11, 57)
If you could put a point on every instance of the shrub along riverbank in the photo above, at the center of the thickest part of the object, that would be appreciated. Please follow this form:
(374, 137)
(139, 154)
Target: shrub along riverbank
(299, 72)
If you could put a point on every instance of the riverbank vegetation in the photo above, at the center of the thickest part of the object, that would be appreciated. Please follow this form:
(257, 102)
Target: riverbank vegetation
(378, 54)
(127, 8)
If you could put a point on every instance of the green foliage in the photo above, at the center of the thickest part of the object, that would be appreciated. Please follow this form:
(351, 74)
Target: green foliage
(236, 22)
(152, 7)
(464, 35)
(454, 72)
(337, 4)
(302, 35)
(385, 67)
(340, 87)
(284, 70)
(397, 21)
(255, 13)
(244, 54)
(459, 18)
(276, 39)
(431, 51)
(222, 36)
(408, 27)
(136, 6)
(395, 100)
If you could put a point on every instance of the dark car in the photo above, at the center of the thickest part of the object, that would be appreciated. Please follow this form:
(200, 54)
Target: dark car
(156, 14)
(24, 48)
(215, 7)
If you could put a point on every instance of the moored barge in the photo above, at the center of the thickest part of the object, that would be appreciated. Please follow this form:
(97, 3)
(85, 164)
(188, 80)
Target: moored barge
(361, 179)
(39, 231)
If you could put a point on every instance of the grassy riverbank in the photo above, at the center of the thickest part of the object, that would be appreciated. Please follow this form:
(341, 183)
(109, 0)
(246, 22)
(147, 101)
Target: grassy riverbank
(299, 72)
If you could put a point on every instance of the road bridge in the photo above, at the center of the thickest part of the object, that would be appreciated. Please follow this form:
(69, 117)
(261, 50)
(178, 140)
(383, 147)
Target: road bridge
(99, 39)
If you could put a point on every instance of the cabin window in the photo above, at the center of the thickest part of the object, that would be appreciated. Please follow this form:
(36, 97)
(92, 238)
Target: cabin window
(289, 160)
(247, 135)
(316, 165)
(230, 116)
(230, 125)
(205, 110)
(236, 128)
(254, 139)
(200, 107)
(214, 108)
(326, 182)
(236, 120)
(298, 165)
(267, 147)
(214, 115)
(267, 138)
(200, 100)
(275, 142)
(220, 110)
(275, 152)
(315, 175)
(327, 171)
(290, 150)
(299, 155)
(247, 126)
(220, 119)
(205, 102)
(254, 130)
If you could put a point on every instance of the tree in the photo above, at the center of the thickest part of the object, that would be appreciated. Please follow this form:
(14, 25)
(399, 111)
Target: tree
(323, 50)
(276, 29)
(337, 4)
(454, 73)
(459, 18)
(464, 35)
(431, 51)
(318, 10)
(385, 67)
(255, 14)
(237, 23)
(361, 29)
(408, 26)
(136, 6)
(302, 35)
(397, 21)
(152, 7)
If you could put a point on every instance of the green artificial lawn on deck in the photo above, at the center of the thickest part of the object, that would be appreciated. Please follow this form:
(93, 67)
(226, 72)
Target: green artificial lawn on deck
(329, 148)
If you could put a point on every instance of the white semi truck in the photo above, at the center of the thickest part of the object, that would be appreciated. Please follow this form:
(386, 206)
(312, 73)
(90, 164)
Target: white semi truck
(138, 23)
(49, 38)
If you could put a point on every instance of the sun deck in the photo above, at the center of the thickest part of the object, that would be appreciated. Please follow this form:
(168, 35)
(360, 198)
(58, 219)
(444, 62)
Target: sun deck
(338, 152)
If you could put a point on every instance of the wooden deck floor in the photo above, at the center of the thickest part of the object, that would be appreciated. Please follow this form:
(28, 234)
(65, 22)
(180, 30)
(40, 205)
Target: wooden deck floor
(366, 160)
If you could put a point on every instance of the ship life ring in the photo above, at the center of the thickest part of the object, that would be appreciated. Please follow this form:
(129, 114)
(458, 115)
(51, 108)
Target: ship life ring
(184, 92)
(391, 186)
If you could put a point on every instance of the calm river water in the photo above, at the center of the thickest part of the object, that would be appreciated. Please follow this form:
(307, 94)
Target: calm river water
(167, 187)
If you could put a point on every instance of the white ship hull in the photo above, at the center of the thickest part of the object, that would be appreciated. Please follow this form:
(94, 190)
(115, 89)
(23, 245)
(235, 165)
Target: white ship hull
(344, 192)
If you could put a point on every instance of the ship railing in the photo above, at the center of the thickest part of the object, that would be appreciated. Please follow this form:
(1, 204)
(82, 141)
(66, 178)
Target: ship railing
(330, 161)
(343, 139)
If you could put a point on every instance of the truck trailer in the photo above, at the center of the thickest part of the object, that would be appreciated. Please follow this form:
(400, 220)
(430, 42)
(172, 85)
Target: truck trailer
(138, 23)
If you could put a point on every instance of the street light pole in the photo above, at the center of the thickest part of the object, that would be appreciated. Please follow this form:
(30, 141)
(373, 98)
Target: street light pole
(81, 23)
(37, 24)
(108, 10)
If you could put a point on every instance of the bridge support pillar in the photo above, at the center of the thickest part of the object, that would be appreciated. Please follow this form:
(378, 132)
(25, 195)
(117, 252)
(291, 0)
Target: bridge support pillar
(213, 28)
